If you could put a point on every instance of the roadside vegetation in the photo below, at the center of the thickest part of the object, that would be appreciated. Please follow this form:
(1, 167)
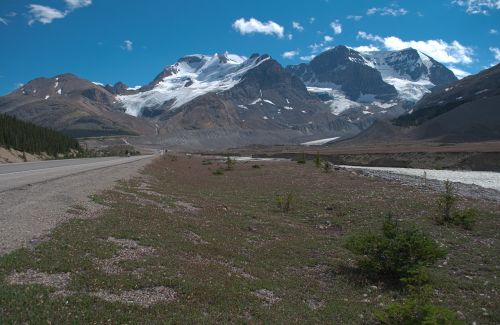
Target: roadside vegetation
(30, 138)
(282, 243)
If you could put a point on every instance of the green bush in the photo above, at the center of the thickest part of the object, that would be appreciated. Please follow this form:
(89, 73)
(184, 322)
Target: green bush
(302, 159)
(256, 166)
(230, 163)
(327, 167)
(396, 253)
(446, 203)
(218, 172)
(448, 212)
(415, 310)
(317, 160)
(465, 218)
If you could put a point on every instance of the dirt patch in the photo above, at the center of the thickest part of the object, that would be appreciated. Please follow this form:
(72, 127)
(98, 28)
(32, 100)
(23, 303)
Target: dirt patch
(186, 206)
(129, 250)
(30, 277)
(194, 238)
(142, 297)
(314, 303)
(267, 296)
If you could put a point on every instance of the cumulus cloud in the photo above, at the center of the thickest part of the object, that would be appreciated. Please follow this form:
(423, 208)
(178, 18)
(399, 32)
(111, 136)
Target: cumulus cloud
(3, 21)
(459, 73)
(45, 14)
(307, 57)
(449, 53)
(128, 45)
(354, 17)
(474, 7)
(496, 52)
(296, 25)
(75, 4)
(387, 11)
(290, 54)
(253, 25)
(336, 26)
(493, 31)
(366, 48)
(327, 38)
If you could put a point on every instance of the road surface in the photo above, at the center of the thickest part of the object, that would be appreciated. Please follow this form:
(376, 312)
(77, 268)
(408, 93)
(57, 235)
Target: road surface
(35, 196)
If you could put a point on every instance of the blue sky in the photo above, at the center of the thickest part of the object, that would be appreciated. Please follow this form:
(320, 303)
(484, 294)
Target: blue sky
(131, 41)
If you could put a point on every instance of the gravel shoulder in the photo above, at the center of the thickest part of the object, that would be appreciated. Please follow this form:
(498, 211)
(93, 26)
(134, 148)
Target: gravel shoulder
(29, 212)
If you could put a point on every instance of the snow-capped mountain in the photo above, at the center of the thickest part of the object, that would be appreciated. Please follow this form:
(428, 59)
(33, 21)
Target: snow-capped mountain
(372, 82)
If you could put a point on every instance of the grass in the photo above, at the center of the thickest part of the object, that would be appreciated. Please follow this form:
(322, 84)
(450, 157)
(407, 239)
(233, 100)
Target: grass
(219, 240)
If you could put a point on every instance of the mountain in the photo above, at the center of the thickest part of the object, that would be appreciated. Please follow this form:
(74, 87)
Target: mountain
(465, 111)
(73, 105)
(371, 85)
(224, 100)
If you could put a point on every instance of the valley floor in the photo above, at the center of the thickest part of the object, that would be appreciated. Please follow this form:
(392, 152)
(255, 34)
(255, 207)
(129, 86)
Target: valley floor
(190, 242)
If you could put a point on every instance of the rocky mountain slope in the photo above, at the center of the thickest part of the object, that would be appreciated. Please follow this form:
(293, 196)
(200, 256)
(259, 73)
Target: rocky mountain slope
(465, 111)
(226, 100)
(371, 85)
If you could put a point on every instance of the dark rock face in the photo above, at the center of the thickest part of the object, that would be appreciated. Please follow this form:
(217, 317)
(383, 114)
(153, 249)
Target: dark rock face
(118, 88)
(346, 68)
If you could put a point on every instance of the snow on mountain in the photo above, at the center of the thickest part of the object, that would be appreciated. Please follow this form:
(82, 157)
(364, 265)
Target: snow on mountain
(190, 77)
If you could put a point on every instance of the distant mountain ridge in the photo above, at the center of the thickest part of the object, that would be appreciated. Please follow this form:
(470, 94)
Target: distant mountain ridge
(226, 100)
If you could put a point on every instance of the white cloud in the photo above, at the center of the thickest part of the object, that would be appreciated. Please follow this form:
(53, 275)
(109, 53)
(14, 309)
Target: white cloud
(296, 25)
(327, 38)
(75, 4)
(355, 18)
(478, 6)
(387, 11)
(496, 52)
(290, 54)
(312, 20)
(444, 52)
(128, 45)
(3, 21)
(367, 48)
(459, 72)
(493, 31)
(336, 26)
(307, 57)
(43, 14)
(289, 36)
(255, 26)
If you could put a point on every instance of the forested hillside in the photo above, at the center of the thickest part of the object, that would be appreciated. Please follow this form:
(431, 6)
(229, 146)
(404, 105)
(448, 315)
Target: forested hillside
(28, 137)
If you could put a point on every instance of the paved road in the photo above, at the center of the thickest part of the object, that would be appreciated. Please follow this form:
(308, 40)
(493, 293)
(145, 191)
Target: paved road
(35, 197)
(17, 175)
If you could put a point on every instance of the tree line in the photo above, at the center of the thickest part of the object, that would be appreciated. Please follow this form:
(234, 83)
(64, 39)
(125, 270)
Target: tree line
(28, 137)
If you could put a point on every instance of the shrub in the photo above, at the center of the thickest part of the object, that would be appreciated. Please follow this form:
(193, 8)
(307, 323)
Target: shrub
(448, 213)
(255, 166)
(465, 218)
(417, 309)
(396, 253)
(446, 202)
(284, 202)
(218, 172)
(317, 161)
(206, 162)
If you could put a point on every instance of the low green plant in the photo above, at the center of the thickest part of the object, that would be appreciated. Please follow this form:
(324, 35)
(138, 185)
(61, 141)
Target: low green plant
(256, 166)
(448, 212)
(446, 202)
(285, 201)
(317, 160)
(465, 218)
(218, 172)
(206, 162)
(396, 253)
(417, 309)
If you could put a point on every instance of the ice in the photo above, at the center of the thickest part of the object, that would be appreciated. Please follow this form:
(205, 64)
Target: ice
(319, 142)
